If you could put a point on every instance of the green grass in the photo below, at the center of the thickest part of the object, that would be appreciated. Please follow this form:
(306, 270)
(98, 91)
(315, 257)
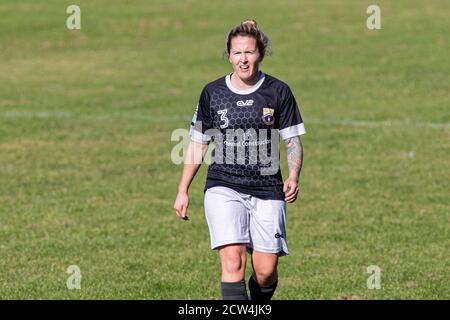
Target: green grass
(85, 124)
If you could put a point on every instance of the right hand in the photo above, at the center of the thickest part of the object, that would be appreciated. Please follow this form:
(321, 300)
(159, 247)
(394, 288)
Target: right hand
(181, 205)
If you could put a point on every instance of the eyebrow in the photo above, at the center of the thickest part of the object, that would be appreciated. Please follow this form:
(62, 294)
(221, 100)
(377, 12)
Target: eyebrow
(237, 51)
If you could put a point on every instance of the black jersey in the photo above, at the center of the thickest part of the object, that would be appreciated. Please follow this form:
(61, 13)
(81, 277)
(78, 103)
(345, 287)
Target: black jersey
(245, 126)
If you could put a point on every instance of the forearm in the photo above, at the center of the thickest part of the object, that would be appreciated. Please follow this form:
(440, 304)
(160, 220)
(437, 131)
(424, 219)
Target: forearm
(192, 162)
(294, 153)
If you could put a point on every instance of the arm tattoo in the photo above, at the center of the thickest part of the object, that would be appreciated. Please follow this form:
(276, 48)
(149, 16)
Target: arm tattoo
(294, 152)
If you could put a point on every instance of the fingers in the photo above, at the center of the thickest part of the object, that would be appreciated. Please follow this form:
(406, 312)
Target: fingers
(291, 195)
(291, 199)
(293, 188)
(181, 205)
(181, 212)
(292, 191)
(184, 213)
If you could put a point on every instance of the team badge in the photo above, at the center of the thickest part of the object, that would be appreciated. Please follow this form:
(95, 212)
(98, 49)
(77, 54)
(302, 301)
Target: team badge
(267, 116)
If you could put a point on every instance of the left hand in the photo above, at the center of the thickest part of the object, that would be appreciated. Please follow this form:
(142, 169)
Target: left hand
(290, 190)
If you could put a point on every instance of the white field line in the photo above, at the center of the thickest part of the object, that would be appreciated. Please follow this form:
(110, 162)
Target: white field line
(367, 123)
(179, 118)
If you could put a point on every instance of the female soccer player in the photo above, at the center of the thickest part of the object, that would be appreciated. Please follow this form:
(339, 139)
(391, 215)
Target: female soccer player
(244, 114)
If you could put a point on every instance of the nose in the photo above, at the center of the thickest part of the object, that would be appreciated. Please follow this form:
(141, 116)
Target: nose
(243, 58)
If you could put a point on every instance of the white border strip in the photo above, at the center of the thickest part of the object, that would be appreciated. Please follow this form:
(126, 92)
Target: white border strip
(292, 131)
(198, 137)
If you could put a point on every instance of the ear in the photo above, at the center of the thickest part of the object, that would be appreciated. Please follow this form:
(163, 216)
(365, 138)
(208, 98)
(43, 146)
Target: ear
(260, 58)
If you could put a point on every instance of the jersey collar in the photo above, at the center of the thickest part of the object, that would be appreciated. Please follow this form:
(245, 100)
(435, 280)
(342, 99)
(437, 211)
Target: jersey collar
(252, 89)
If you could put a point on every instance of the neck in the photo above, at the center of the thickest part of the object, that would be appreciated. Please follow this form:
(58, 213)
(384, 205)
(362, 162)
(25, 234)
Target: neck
(241, 84)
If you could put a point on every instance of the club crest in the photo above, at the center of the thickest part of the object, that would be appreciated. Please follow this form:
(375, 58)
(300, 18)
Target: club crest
(267, 116)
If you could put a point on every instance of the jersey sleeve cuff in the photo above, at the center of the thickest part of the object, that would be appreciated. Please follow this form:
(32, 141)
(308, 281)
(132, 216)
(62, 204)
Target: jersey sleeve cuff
(292, 131)
(198, 137)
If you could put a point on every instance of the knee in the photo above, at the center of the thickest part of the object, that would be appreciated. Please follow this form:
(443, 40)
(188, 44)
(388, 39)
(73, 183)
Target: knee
(233, 260)
(266, 276)
(233, 264)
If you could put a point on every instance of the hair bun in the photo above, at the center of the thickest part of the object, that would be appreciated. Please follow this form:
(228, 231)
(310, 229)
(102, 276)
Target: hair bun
(250, 21)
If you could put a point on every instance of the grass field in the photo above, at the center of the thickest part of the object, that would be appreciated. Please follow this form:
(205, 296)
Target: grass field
(86, 119)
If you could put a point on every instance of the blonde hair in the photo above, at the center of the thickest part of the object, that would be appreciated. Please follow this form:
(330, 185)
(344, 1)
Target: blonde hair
(250, 28)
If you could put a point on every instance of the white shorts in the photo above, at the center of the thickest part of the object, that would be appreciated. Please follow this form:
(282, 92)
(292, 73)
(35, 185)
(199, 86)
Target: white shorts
(235, 217)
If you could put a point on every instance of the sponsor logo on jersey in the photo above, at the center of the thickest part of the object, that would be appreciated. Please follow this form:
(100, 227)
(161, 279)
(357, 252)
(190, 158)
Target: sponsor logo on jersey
(267, 116)
(241, 103)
